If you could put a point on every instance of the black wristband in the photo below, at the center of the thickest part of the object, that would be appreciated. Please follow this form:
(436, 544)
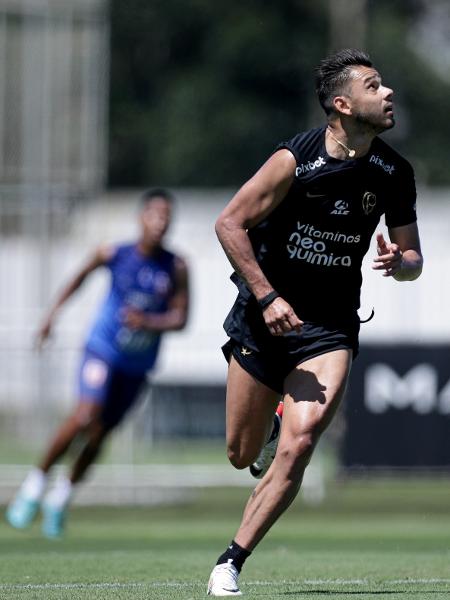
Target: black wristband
(264, 302)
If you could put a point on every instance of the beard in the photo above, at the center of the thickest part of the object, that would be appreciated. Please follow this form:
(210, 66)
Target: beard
(374, 124)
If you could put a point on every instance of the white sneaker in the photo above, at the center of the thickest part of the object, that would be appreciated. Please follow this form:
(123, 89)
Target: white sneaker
(260, 467)
(224, 581)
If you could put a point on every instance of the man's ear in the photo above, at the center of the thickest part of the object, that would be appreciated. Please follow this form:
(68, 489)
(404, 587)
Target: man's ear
(342, 105)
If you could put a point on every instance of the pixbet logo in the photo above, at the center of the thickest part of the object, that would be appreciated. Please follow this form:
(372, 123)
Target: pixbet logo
(310, 166)
(380, 162)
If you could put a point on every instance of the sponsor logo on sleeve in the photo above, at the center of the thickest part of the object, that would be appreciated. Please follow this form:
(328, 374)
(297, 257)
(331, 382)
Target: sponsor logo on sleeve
(377, 160)
(310, 166)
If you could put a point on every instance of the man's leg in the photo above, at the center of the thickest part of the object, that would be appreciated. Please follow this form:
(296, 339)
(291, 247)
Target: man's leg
(78, 422)
(121, 394)
(313, 392)
(95, 437)
(56, 502)
(23, 508)
(250, 407)
(118, 395)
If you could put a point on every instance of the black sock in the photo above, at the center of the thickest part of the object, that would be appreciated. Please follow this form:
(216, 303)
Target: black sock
(235, 555)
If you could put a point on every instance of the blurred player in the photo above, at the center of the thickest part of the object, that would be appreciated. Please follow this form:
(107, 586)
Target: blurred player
(296, 234)
(148, 296)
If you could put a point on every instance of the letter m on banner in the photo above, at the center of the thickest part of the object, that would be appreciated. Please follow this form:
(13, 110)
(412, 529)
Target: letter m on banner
(417, 389)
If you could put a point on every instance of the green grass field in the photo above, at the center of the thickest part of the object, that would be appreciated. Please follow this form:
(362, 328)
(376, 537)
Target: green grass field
(369, 539)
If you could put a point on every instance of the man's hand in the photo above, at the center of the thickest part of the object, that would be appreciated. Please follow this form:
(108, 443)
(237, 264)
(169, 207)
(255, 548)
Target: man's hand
(43, 334)
(389, 257)
(135, 319)
(280, 318)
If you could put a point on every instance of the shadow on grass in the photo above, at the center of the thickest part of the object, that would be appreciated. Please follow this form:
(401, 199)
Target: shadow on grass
(361, 592)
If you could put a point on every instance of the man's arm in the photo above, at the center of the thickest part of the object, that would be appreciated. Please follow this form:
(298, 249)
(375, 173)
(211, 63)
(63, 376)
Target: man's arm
(402, 257)
(175, 317)
(100, 257)
(253, 202)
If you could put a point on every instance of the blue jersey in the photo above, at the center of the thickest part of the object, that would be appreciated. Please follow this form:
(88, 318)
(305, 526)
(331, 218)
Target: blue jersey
(139, 282)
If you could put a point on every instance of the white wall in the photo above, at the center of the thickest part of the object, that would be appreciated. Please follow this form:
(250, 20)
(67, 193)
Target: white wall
(31, 271)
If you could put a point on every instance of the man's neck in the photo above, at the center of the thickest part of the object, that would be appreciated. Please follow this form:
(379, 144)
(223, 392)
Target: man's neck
(146, 248)
(346, 143)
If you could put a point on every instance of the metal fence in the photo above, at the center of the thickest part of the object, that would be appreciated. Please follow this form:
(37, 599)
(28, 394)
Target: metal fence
(53, 88)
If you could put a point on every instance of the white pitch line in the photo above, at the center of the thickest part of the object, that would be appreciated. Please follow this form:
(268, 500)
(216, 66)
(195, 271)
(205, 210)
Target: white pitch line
(401, 581)
(349, 582)
(186, 584)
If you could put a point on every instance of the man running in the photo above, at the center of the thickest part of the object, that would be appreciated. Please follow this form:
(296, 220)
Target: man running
(148, 296)
(296, 234)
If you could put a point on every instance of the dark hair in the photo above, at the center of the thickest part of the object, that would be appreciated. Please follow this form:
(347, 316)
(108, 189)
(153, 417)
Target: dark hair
(149, 194)
(333, 73)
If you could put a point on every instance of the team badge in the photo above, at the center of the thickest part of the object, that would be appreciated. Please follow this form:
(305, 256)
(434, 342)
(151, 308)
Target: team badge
(94, 373)
(369, 202)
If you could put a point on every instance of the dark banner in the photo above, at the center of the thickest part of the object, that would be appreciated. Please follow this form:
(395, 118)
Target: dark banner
(398, 407)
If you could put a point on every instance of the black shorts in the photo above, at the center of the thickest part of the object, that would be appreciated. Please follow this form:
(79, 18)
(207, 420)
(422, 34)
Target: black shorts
(272, 362)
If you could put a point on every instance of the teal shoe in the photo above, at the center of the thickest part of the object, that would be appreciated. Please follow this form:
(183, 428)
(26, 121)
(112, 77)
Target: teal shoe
(53, 521)
(21, 512)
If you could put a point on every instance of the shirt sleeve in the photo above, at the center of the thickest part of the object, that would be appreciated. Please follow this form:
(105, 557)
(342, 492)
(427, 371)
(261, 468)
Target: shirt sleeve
(306, 148)
(291, 146)
(401, 206)
(112, 260)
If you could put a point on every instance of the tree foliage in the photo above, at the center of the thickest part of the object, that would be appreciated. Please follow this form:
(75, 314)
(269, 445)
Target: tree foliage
(201, 91)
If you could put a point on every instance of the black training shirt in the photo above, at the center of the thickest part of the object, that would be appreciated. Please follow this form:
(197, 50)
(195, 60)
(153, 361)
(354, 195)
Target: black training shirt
(312, 245)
